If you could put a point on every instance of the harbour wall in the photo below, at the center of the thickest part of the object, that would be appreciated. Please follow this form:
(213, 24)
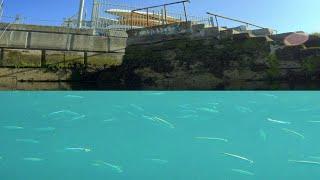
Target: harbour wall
(59, 38)
(193, 57)
(178, 56)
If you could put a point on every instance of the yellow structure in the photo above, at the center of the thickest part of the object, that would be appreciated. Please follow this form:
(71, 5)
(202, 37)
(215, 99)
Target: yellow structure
(141, 18)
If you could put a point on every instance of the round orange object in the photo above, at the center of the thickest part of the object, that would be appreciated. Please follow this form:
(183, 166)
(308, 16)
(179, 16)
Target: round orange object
(295, 39)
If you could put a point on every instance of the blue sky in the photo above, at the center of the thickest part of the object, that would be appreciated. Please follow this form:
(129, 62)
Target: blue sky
(283, 15)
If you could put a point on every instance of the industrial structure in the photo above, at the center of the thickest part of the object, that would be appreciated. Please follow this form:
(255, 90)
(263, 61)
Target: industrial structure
(1, 9)
(106, 15)
(100, 19)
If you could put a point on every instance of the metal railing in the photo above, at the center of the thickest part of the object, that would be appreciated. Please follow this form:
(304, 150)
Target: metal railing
(162, 18)
(216, 16)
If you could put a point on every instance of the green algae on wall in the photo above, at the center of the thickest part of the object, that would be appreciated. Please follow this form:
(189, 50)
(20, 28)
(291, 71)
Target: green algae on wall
(21, 58)
(274, 66)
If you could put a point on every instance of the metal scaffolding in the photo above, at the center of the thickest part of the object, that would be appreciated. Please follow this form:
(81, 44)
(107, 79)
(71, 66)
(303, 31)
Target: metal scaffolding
(118, 15)
(80, 13)
(1, 9)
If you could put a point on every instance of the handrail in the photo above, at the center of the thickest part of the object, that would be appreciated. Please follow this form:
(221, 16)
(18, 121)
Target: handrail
(164, 9)
(167, 4)
(236, 20)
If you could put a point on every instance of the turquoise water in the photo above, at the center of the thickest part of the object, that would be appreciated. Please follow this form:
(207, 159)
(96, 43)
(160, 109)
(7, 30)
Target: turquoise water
(160, 135)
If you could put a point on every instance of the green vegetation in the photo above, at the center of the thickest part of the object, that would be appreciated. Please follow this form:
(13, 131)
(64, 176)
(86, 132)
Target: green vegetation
(20, 59)
(316, 34)
(274, 69)
(311, 64)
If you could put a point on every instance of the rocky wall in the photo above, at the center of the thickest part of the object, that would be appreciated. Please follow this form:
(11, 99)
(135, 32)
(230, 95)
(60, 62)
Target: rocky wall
(204, 59)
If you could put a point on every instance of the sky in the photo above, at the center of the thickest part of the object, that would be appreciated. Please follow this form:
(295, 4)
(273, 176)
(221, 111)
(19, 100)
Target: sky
(282, 15)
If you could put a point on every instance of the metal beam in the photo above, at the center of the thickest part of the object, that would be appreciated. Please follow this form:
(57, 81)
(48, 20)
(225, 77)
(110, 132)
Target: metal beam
(1, 8)
(80, 13)
(236, 20)
(167, 4)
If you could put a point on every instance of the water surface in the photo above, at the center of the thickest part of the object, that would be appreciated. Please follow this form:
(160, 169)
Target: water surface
(160, 135)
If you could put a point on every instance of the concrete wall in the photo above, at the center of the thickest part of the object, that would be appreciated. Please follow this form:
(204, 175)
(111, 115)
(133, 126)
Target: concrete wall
(58, 38)
(34, 74)
(62, 59)
(50, 29)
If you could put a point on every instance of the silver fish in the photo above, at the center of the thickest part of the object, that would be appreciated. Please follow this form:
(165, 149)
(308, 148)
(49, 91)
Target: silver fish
(74, 96)
(28, 141)
(239, 157)
(212, 138)
(159, 161)
(45, 129)
(293, 132)
(118, 169)
(34, 159)
(304, 162)
(243, 172)
(13, 127)
(78, 149)
(277, 121)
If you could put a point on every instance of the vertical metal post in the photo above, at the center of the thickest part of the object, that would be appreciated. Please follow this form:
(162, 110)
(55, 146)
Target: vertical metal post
(185, 11)
(162, 17)
(85, 59)
(218, 27)
(211, 21)
(2, 56)
(1, 9)
(165, 14)
(80, 13)
(95, 13)
(43, 59)
(153, 15)
(217, 22)
(131, 19)
(147, 17)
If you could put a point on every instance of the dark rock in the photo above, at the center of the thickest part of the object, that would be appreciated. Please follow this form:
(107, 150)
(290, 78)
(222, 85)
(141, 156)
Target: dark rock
(314, 41)
(291, 53)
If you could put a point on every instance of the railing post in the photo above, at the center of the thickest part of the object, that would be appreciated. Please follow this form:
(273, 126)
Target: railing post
(162, 17)
(211, 21)
(153, 15)
(147, 17)
(185, 11)
(219, 36)
(131, 19)
(217, 21)
(165, 14)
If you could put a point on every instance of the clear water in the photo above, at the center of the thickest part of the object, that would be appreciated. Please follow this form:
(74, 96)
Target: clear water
(159, 135)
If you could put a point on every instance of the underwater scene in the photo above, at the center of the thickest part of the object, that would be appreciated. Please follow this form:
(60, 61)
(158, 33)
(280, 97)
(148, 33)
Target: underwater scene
(159, 135)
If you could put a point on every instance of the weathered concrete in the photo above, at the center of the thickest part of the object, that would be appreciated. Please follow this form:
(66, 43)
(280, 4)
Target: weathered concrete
(16, 39)
(60, 59)
(34, 74)
(58, 38)
(48, 29)
(46, 41)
